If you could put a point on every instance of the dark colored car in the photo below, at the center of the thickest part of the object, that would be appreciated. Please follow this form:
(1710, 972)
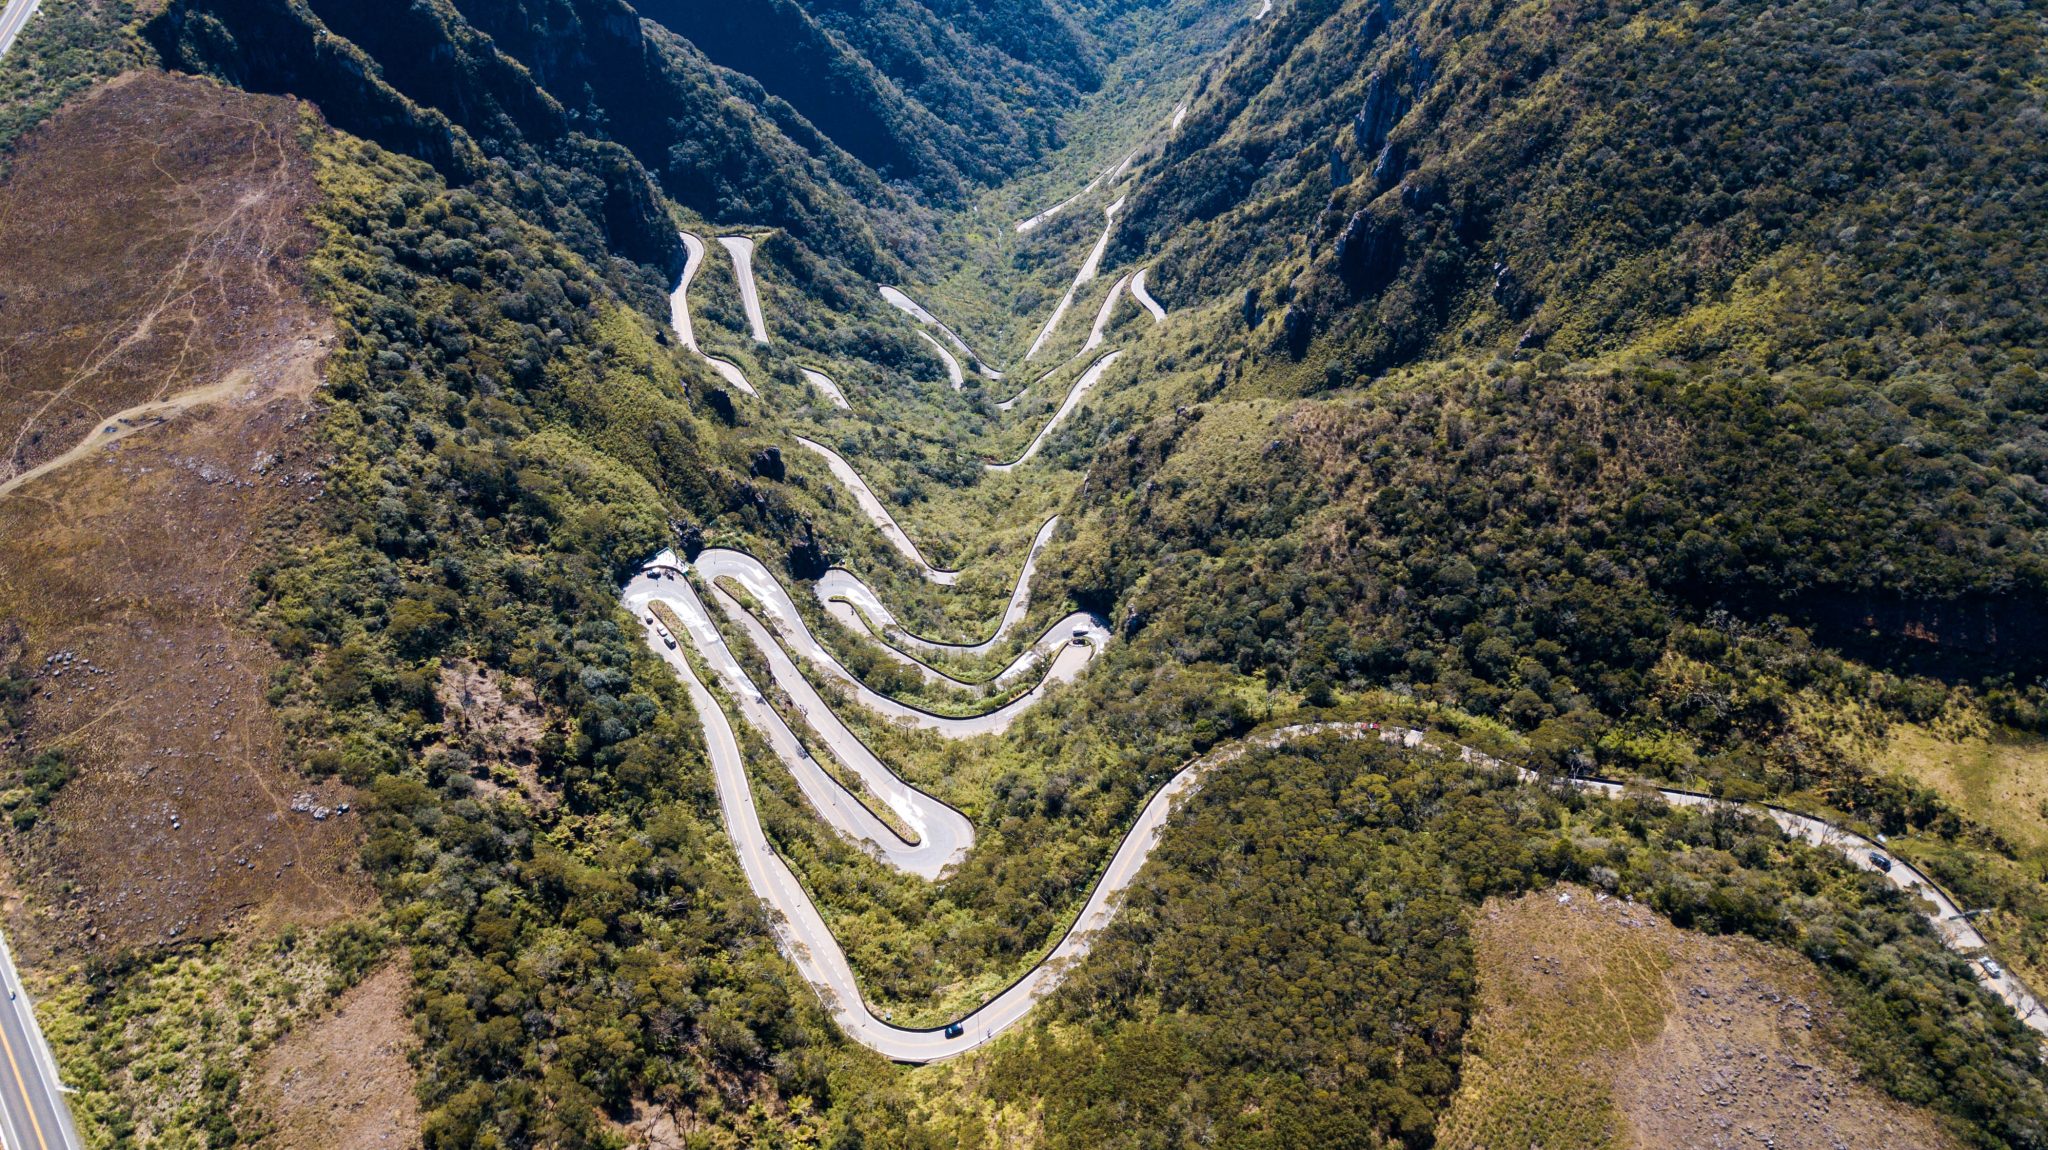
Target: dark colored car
(955, 1030)
(1880, 861)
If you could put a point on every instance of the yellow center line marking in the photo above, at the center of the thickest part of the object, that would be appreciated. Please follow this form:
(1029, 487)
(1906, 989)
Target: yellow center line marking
(26, 1101)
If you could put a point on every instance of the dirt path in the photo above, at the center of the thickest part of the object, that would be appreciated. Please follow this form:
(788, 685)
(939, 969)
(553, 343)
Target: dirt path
(123, 424)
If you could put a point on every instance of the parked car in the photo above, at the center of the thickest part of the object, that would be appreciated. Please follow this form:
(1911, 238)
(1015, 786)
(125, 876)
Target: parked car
(1080, 636)
(955, 1030)
(1881, 862)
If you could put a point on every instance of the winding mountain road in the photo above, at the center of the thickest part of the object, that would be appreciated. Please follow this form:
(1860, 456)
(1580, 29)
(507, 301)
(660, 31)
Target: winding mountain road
(1100, 330)
(1089, 267)
(826, 387)
(1088, 380)
(898, 299)
(1063, 652)
(954, 375)
(934, 837)
(679, 317)
(801, 930)
(1144, 297)
(742, 250)
(856, 605)
(877, 514)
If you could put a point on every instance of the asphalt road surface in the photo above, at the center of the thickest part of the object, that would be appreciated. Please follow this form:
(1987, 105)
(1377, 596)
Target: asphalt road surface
(14, 19)
(679, 317)
(33, 1114)
(1088, 380)
(1144, 297)
(850, 600)
(1089, 267)
(1061, 654)
(824, 384)
(878, 514)
(954, 375)
(742, 250)
(903, 303)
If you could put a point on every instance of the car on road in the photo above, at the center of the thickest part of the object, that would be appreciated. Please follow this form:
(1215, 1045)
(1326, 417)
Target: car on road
(1881, 862)
(1080, 636)
(1992, 968)
(955, 1030)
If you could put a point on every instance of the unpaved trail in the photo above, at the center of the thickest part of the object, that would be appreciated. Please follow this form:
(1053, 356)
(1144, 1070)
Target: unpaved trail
(123, 424)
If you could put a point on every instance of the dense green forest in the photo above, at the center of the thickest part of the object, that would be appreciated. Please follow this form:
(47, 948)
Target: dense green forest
(1647, 389)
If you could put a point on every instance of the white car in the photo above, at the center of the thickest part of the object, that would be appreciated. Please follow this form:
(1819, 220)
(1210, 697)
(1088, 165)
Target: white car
(1992, 968)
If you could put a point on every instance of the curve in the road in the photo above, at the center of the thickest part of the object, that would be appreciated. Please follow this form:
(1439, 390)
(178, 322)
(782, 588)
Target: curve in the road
(901, 301)
(954, 375)
(878, 514)
(855, 604)
(940, 836)
(805, 938)
(826, 387)
(742, 250)
(1144, 297)
(1089, 267)
(1081, 387)
(1060, 655)
(1026, 226)
(679, 316)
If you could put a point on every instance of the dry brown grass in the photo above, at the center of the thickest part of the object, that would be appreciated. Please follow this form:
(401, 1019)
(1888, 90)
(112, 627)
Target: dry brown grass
(1602, 1025)
(168, 216)
(498, 721)
(345, 1079)
(1998, 778)
(153, 242)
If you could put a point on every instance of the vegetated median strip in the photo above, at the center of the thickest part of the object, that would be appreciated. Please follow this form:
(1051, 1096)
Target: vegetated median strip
(679, 317)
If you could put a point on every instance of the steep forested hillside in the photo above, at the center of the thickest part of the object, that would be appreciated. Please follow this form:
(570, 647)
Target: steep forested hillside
(1650, 390)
